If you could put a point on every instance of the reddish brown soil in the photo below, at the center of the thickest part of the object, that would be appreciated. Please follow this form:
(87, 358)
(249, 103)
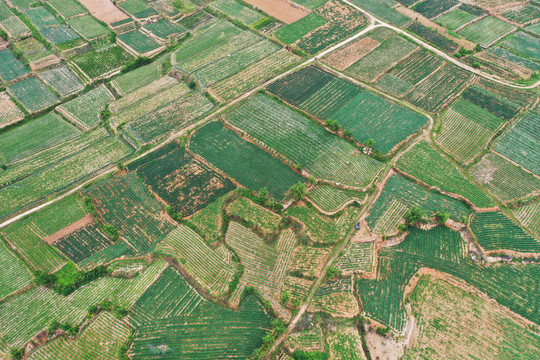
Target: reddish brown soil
(87, 220)
(343, 58)
(104, 10)
(284, 10)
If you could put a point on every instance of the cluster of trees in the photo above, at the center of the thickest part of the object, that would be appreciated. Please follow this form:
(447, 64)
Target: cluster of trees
(65, 286)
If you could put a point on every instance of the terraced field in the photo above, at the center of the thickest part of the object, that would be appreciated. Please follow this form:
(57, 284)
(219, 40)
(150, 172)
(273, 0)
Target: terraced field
(306, 144)
(427, 165)
(357, 257)
(529, 217)
(331, 199)
(244, 162)
(495, 231)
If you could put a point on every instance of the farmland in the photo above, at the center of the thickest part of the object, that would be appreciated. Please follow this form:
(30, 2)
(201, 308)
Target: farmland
(183, 182)
(436, 304)
(33, 94)
(323, 154)
(399, 194)
(249, 179)
(495, 231)
(504, 179)
(332, 199)
(436, 170)
(520, 144)
(246, 163)
(123, 203)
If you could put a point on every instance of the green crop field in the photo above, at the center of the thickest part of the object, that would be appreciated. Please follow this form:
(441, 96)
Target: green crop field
(124, 202)
(243, 161)
(139, 42)
(35, 136)
(254, 74)
(385, 56)
(169, 118)
(235, 62)
(88, 27)
(486, 31)
(520, 144)
(67, 8)
(237, 11)
(529, 216)
(357, 257)
(201, 261)
(15, 27)
(292, 32)
(495, 104)
(436, 304)
(366, 115)
(101, 340)
(83, 243)
(49, 26)
(433, 8)
(101, 63)
(323, 229)
(133, 80)
(56, 168)
(85, 110)
(439, 88)
(221, 31)
(433, 37)
(24, 316)
(504, 179)
(163, 29)
(399, 194)
(137, 8)
(62, 80)
(522, 14)
(384, 10)
(495, 231)
(13, 274)
(442, 249)
(162, 92)
(369, 116)
(296, 137)
(427, 165)
(455, 19)
(225, 48)
(208, 221)
(9, 111)
(524, 45)
(140, 96)
(183, 182)
(32, 248)
(257, 216)
(31, 49)
(411, 71)
(199, 329)
(11, 68)
(331, 199)
(467, 129)
(343, 21)
(33, 94)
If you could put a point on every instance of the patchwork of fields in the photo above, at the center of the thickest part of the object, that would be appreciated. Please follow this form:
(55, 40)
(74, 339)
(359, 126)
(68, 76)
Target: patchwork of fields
(181, 179)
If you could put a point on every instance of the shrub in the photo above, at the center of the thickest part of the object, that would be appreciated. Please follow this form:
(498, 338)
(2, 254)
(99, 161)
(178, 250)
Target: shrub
(333, 272)
(111, 231)
(310, 355)
(333, 125)
(298, 191)
(174, 214)
(137, 63)
(415, 215)
(441, 217)
(16, 353)
(382, 331)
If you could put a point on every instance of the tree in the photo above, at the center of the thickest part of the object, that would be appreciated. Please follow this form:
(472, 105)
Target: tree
(298, 191)
(333, 272)
(369, 143)
(382, 331)
(285, 298)
(348, 133)
(441, 217)
(333, 125)
(476, 65)
(262, 196)
(415, 215)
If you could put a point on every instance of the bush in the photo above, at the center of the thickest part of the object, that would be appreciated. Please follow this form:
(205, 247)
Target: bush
(111, 231)
(333, 125)
(298, 191)
(174, 214)
(137, 63)
(285, 298)
(382, 331)
(441, 217)
(53, 326)
(16, 353)
(333, 272)
(3, 35)
(476, 65)
(415, 215)
(310, 355)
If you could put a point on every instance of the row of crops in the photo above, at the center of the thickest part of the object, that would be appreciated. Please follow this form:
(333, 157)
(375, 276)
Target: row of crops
(512, 285)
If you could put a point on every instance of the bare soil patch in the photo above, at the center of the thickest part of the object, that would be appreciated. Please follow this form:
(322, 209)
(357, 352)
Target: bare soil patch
(348, 55)
(284, 10)
(87, 220)
(104, 10)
